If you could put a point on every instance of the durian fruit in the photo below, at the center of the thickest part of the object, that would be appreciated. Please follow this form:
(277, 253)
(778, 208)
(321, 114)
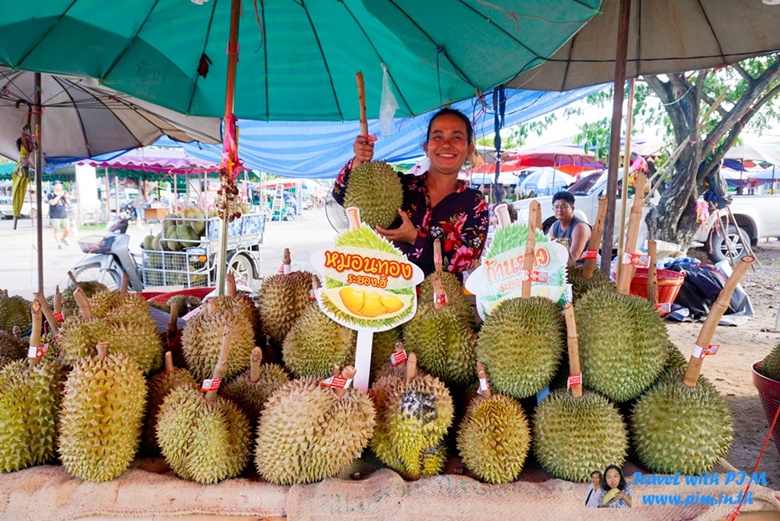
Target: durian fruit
(494, 437)
(315, 343)
(414, 414)
(522, 342)
(89, 287)
(770, 366)
(202, 337)
(394, 364)
(382, 347)
(328, 429)
(12, 347)
(160, 385)
(578, 432)
(14, 311)
(187, 236)
(252, 388)
(102, 415)
(204, 438)
(30, 393)
(682, 424)
(375, 188)
(282, 299)
(581, 285)
(80, 333)
(147, 243)
(242, 301)
(674, 358)
(622, 343)
(457, 301)
(186, 303)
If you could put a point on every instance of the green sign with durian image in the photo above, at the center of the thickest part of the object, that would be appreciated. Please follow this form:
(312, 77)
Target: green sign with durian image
(501, 275)
(369, 283)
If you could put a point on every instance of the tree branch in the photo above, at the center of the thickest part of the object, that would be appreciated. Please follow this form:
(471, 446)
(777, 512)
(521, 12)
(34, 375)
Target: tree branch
(745, 74)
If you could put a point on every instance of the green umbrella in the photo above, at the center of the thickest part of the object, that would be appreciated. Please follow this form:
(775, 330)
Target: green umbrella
(298, 59)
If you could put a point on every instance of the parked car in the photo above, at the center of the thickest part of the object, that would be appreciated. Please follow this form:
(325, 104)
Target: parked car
(6, 208)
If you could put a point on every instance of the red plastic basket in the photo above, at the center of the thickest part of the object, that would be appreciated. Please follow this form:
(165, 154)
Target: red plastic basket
(769, 391)
(669, 283)
(162, 298)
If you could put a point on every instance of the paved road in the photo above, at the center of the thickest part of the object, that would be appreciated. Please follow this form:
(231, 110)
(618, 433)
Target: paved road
(19, 265)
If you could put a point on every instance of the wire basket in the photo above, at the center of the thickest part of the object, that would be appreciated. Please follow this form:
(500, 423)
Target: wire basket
(96, 243)
(191, 268)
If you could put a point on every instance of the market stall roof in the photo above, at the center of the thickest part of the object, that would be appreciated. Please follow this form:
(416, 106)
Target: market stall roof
(167, 160)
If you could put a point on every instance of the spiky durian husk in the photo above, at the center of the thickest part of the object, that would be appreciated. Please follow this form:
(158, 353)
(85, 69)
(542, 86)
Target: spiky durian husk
(457, 301)
(29, 405)
(15, 311)
(494, 438)
(101, 417)
(316, 343)
(186, 303)
(247, 306)
(580, 285)
(770, 366)
(413, 420)
(521, 343)
(250, 396)
(203, 441)
(104, 302)
(12, 347)
(622, 342)
(434, 460)
(69, 305)
(674, 358)
(160, 385)
(134, 332)
(446, 347)
(574, 436)
(78, 338)
(201, 342)
(375, 188)
(382, 346)
(676, 428)
(320, 440)
(281, 300)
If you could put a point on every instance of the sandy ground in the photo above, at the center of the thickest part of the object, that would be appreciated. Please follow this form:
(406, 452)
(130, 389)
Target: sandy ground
(730, 369)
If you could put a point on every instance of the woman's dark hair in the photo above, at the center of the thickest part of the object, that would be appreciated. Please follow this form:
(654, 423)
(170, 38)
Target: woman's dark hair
(458, 114)
(621, 485)
(565, 196)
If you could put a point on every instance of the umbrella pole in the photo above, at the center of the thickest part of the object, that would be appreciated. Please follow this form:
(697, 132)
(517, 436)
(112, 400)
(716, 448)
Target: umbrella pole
(614, 142)
(38, 183)
(230, 143)
(626, 159)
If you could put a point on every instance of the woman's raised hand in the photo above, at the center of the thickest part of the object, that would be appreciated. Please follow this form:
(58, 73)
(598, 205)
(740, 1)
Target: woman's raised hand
(363, 148)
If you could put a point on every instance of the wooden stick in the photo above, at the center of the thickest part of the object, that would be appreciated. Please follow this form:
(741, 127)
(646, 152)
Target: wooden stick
(255, 359)
(124, 284)
(411, 366)
(483, 375)
(286, 260)
(595, 238)
(169, 367)
(102, 350)
(573, 344)
(439, 295)
(230, 281)
(502, 214)
(361, 86)
(711, 322)
(348, 373)
(528, 259)
(173, 319)
(353, 216)
(83, 302)
(57, 300)
(535, 215)
(220, 370)
(47, 312)
(626, 272)
(37, 327)
(73, 278)
(652, 274)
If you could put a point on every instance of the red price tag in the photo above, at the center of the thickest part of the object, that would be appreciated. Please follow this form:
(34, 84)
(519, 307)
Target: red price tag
(539, 276)
(638, 260)
(313, 294)
(210, 384)
(340, 383)
(38, 351)
(398, 357)
(59, 317)
(440, 298)
(701, 352)
(589, 254)
(575, 379)
(664, 307)
(437, 259)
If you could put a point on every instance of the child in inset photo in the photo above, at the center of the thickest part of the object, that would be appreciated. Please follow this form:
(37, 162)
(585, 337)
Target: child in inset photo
(614, 491)
(592, 493)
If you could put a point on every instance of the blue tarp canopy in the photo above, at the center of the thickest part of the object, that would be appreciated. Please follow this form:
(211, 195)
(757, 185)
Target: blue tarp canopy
(320, 149)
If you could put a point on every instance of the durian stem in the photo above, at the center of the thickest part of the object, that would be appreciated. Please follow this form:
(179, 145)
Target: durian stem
(483, 375)
(37, 326)
(83, 302)
(57, 300)
(102, 350)
(17, 332)
(626, 271)
(220, 370)
(286, 260)
(411, 367)
(595, 238)
(212, 306)
(348, 373)
(535, 215)
(572, 341)
(439, 295)
(315, 282)
(255, 358)
(502, 214)
(652, 274)
(169, 367)
(47, 312)
(124, 284)
(361, 88)
(353, 216)
(173, 319)
(230, 281)
(73, 279)
(528, 258)
(711, 322)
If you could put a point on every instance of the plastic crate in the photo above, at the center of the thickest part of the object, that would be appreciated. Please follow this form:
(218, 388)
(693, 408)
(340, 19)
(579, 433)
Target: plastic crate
(96, 243)
(189, 268)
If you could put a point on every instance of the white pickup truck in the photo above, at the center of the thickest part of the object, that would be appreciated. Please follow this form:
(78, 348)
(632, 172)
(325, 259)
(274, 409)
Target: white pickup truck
(757, 216)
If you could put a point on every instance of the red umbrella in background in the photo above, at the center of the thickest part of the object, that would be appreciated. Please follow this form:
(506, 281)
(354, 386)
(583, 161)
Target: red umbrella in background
(569, 159)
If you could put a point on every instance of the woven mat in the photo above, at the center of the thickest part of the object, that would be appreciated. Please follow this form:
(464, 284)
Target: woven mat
(146, 490)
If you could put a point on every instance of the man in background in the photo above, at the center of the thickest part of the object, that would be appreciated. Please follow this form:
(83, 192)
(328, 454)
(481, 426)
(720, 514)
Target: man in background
(58, 213)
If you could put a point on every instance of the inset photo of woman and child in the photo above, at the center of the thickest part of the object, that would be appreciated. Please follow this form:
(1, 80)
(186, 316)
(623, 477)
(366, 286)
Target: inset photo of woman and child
(608, 490)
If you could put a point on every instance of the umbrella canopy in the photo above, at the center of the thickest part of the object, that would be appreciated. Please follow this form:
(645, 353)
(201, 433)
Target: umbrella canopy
(545, 181)
(487, 178)
(770, 174)
(81, 119)
(569, 159)
(298, 58)
(169, 161)
(761, 152)
(663, 36)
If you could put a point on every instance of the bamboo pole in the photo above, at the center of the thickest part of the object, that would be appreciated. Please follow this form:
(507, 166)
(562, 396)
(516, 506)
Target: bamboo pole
(484, 388)
(47, 312)
(626, 167)
(35, 335)
(652, 274)
(530, 246)
(220, 370)
(361, 86)
(634, 220)
(595, 240)
(573, 345)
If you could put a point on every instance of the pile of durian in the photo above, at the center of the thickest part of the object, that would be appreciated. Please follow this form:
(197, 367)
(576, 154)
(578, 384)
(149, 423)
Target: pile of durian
(260, 378)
